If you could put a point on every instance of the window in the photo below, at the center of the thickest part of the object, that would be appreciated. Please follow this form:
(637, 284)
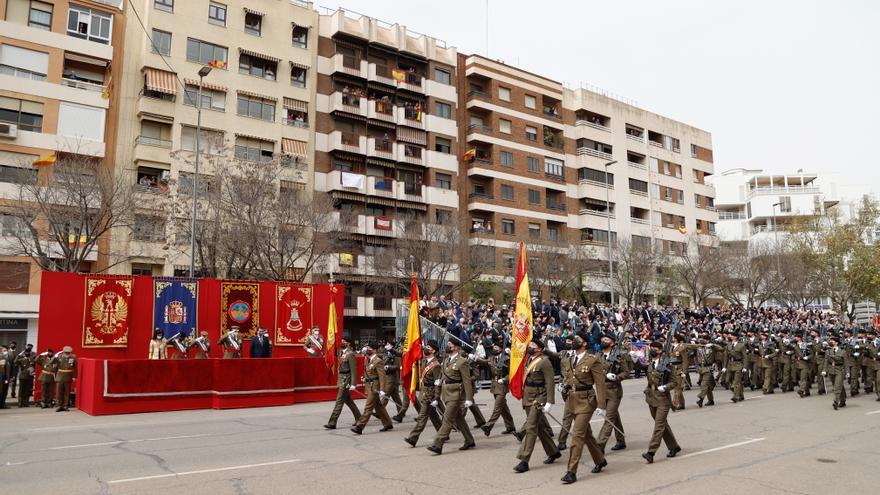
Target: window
(210, 142)
(531, 133)
(296, 113)
(534, 164)
(553, 233)
(785, 204)
(166, 5)
(257, 67)
(217, 14)
(507, 192)
(638, 185)
(594, 175)
(442, 76)
(298, 76)
(257, 108)
(506, 158)
(254, 150)
(507, 227)
(27, 115)
(15, 276)
(140, 269)
(161, 42)
(504, 126)
(40, 15)
(507, 260)
(444, 181)
(530, 102)
(300, 36)
(443, 217)
(253, 23)
(503, 93)
(211, 99)
(149, 228)
(206, 53)
(534, 197)
(17, 175)
(534, 231)
(88, 24)
(443, 145)
(23, 63)
(554, 167)
(443, 110)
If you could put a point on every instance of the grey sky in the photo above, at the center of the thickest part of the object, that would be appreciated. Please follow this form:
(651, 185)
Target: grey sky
(781, 85)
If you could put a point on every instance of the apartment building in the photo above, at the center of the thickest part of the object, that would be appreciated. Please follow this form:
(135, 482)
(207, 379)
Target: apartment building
(385, 152)
(56, 97)
(553, 166)
(255, 63)
(757, 207)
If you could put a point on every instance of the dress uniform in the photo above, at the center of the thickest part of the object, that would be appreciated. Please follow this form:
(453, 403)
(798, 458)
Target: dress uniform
(565, 371)
(872, 349)
(429, 373)
(707, 356)
(767, 354)
(345, 384)
(231, 343)
(659, 404)
(65, 372)
(374, 386)
(202, 345)
(26, 364)
(866, 360)
(47, 378)
(803, 353)
(615, 372)
(392, 363)
(787, 364)
(678, 359)
(736, 355)
(587, 394)
(538, 398)
(835, 369)
(457, 392)
(499, 367)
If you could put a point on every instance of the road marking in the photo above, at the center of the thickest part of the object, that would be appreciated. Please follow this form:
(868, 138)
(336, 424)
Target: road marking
(13, 464)
(872, 412)
(723, 447)
(117, 442)
(202, 471)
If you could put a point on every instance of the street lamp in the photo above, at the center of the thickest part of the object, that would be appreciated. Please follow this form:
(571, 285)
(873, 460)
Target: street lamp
(608, 212)
(776, 236)
(204, 71)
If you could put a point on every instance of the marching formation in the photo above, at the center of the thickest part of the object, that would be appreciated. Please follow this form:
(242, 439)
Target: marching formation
(584, 361)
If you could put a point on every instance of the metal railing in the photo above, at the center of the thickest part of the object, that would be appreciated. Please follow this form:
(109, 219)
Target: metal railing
(764, 190)
(592, 152)
(639, 139)
(594, 125)
(151, 141)
(641, 166)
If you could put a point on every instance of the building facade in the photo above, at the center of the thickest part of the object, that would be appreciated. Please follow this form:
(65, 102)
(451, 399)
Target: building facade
(57, 98)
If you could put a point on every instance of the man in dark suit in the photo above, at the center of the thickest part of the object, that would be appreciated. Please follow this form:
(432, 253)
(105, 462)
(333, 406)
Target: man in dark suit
(261, 346)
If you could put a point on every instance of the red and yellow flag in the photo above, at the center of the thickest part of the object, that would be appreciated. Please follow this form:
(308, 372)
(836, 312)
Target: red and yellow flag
(521, 333)
(412, 347)
(44, 160)
(332, 329)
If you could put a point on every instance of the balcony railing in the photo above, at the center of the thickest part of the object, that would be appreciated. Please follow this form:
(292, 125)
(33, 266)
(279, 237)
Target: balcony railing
(484, 161)
(151, 141)
(594, 125)
(72, 83)
(479, 128)
(556, 177)
(763, 190)
(641, 221)
(639, 139)
(598, 213)
(655, 143)
(597, 183)
(769, 228)
(482, 230)
(556, 205)
(478, 94)
(731, 215)
(639, 193)
(640, 166)
(553, 144)
(592, 152)
(480, 195)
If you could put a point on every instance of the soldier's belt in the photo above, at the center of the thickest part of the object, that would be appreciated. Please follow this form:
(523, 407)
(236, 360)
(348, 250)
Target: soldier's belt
(452, 382)
(370, 380)
(675, 362)
(534, 384)
(428, 384)
(587, 388)
(65, 371)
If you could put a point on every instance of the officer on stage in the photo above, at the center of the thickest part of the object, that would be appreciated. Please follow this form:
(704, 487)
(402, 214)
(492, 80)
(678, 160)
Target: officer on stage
(47, 378)
(231, 343)
(65, 373)
(345, 384)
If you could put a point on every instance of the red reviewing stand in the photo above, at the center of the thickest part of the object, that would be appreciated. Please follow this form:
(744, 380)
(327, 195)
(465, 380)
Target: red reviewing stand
(120, 380)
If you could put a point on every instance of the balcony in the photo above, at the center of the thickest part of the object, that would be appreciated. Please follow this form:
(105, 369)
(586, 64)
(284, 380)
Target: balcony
(556, 205)
(380, 186)
(347, 141)
(380, 148)
(348, 103)
(640, 221)
(380, 73)
(381, 110)
(481, 196)
(379, 226)
(761, 191)
(636, 192)
(758, 229)
(410, 117)
(88, 86)
(640, 166)
(412, 81)
(409, 191)
(350, 65)
(731, 215)
(410, 153)
(594, 125)
(152, 141)
(633, 137)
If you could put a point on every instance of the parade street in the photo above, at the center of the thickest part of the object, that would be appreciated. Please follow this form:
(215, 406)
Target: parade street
(765, 445)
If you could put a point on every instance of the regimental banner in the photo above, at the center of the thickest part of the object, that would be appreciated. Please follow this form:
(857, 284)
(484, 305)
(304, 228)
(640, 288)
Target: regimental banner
(293, 313)
(106, 312)
(641, 351)
(240, 306)
(175, 306)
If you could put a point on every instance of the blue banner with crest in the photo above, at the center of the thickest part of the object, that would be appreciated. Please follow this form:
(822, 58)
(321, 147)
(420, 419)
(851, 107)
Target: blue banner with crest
(175, 306)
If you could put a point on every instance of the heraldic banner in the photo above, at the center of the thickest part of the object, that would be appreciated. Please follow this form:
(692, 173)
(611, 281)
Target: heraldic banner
(240, 304)
(293, 313)
(107, 304)
(175, 303)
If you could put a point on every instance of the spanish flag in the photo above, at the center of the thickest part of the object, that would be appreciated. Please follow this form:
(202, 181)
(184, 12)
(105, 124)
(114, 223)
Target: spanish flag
(521, 333)
(332, 329)
(217, 64)
(682, 229)
(71, 240)
(44, 160)
(398, 75)
(469, 155)
(412, 347)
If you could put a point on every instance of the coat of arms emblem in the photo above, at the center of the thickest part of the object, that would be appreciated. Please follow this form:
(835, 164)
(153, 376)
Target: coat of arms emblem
(108, 310)
(175, 313)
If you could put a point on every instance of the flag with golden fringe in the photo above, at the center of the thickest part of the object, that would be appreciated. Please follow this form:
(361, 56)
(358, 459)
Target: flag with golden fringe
(412, 347)
(522, 326)
(332, 329)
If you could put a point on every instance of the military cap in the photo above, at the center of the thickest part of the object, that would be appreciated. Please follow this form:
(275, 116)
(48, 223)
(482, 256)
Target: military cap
(373, 344)
(67, 348)
(433, 344)
(538, 342)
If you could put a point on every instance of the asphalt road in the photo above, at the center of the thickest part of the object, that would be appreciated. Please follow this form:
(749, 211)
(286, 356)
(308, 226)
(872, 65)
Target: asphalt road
(765, 445)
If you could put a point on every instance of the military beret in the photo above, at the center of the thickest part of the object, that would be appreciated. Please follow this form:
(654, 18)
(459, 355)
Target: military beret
(539, 343)
(433, 344)
(583, 335)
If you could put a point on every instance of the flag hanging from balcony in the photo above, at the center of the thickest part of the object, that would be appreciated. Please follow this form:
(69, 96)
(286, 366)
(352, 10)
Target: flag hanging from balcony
(105, 92)
(522, 326)
(469, 155)
(398, 75)
(332, 346)
(383, 223)
(74, 240)
(45, 160)
(682, 229)
(346, 259)
(217, 64)
(294, 305)
(412, 346)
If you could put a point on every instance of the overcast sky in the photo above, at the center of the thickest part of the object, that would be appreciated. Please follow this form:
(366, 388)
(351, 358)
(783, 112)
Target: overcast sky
(781, 85)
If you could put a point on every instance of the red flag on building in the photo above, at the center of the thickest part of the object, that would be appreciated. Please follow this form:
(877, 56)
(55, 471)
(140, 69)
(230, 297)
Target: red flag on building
(412, 347)
(522, 326)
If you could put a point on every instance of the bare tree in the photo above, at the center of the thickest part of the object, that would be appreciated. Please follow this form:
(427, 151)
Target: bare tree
(64, 216)
(635, 269)
(748, 274)
(697, 270)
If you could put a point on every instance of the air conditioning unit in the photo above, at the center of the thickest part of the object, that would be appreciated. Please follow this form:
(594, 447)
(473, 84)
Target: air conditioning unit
(8, 130)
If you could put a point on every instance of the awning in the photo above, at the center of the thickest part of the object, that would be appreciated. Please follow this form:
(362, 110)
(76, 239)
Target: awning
(259, 55)
(206, 85)
(383, 124)
(160, 80)
(373, 200)
(413, 136)
(295, 24)
(86, 60)
(255, 12)
(380, 87)
(251, 136)
(299, 65)
(256, 95)
(380, 163)
(296, 105)
(295, 147)
(346, 196)
(349, 115)
(411, 205)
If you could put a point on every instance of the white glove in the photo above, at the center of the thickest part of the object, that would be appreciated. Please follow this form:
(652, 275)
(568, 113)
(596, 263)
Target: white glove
(471, 357)
(352, 387)
(855, 354)
(388, 347)
(724, 370)
(468, 404)
(847, 376)
(708, 346)
(501, 381)
(744, 370)
(600, 412)
(824, 373)
(433, 403)
(381, 394)
(611, 376)
(683, 375)
(547, 407)
(661, 388)
(437, 382)
(507, 351)
(856, 347)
